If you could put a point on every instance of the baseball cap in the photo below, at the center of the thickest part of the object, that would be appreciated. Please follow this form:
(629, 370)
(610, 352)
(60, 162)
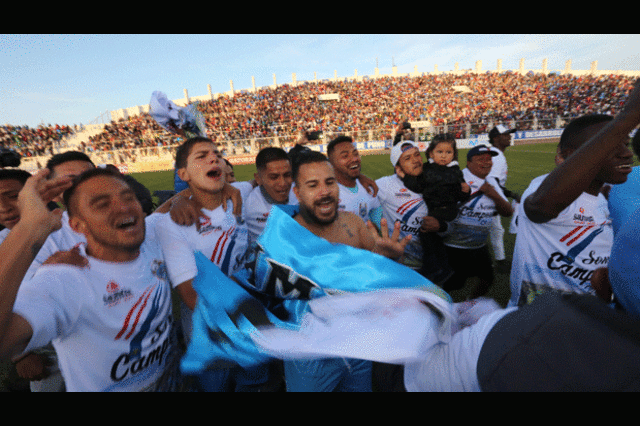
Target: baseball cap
(500, 129)
(480, 149)
(399, 148)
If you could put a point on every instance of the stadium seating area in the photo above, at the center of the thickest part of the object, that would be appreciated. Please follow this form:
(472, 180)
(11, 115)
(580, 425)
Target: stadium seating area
(363, 105)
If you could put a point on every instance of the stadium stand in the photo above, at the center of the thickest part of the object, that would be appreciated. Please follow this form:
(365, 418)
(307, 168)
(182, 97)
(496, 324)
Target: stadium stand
(463, 104)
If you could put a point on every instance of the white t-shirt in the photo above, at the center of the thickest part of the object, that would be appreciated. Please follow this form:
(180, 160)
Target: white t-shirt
(452, 366)
(3, 234)
(256, 209)
(245, 188)
(472, 226)
(222, 238)
(499, 168)
(357, 201)
(110, 323)
(562, 253)
(399, 203)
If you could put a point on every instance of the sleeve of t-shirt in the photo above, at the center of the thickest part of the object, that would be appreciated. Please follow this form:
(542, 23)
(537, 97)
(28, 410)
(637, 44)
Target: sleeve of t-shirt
(51, 302)
(177, 252)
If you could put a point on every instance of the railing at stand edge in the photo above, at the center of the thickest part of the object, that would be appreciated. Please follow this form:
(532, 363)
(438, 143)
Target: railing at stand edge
(165, 145)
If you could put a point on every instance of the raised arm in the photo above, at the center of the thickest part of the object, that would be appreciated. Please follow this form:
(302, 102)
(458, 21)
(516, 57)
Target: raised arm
(19, 249)
(575, 174)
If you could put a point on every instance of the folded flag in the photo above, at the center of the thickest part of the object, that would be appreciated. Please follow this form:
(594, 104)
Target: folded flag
(224, 317)
(392, 326)
(294, 272)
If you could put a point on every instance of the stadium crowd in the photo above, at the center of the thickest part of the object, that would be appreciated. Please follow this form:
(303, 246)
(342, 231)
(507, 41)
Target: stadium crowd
(107, 266)
(31, 142)
(382, 103)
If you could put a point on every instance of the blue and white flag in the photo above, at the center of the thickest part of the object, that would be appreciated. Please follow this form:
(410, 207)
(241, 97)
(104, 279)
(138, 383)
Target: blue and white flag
(224, 316)
(292, 268)
(172, 118)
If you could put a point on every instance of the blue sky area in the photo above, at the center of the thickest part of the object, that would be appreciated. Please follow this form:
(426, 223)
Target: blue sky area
(72, 79)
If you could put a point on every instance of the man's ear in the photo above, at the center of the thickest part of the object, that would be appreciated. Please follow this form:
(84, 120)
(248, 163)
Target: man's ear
(77, 224)
(296, 191)
(256, 176)
(183, 174)
(559, 157)
(399, 172)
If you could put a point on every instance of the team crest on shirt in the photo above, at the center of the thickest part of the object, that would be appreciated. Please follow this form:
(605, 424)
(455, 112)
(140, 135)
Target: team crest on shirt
(159, 270)
(116, 294)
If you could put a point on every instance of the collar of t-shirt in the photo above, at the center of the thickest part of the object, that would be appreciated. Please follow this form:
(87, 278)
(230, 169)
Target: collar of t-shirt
(268, 198)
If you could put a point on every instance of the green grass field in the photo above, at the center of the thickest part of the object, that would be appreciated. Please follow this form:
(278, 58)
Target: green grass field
(525, 163)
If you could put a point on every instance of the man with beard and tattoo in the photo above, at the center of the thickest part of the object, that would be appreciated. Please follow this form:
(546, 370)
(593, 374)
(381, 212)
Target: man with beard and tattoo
(316, 188)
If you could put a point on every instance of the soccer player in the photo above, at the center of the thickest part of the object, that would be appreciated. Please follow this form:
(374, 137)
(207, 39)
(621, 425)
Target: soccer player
(466, 236)
(500, 140)
(564, 228)
(274, 180)
(345, 159)
(399, 204)
(220, 236)
(11, 182)
(110, 323)
(317, 190)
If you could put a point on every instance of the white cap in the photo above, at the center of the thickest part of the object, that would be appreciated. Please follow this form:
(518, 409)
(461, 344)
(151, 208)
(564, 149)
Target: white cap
(398, 149)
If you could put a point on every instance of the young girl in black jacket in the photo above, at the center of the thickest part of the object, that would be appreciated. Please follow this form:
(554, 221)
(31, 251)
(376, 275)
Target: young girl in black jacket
(444, 191)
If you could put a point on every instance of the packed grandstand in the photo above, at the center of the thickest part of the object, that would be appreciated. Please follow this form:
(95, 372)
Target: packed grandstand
(367, 110)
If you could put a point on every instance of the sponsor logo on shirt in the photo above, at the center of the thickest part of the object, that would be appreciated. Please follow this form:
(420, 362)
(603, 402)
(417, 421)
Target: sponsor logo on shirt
(206, 227)
(581, 217)
(403, 193)
(115, 294)
(264, 217)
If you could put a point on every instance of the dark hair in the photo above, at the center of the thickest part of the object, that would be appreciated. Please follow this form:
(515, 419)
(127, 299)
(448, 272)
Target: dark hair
(65, 157)
(15, 174)
(336, 141)
(183, 151)
(572, 136)
(91, 173)
(269, 154)
(443, 137)
(307, 157)
(635, 143)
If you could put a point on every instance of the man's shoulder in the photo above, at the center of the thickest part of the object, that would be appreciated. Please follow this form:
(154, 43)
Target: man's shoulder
(387, 183)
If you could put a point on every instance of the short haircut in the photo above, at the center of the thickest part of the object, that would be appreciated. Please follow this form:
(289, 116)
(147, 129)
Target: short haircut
(184, 150)
(269, 154)
(15, 174)
(83, 177)
(443, 137)
(307, 157)
(336, 141)
(573, 135)
(65, 157)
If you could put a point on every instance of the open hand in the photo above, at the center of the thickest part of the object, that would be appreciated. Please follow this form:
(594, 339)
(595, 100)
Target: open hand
(385, 245)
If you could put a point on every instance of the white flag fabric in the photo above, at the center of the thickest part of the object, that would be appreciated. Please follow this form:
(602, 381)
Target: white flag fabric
(393, 326)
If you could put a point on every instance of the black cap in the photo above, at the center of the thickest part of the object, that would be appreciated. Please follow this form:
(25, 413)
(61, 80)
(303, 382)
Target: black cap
(480, 149)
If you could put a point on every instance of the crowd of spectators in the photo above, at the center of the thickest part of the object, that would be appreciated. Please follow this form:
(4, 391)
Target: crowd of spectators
(31, 142)
(370, 104)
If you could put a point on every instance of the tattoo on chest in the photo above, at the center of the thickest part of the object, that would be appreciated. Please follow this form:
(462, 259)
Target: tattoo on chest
(348, 230)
